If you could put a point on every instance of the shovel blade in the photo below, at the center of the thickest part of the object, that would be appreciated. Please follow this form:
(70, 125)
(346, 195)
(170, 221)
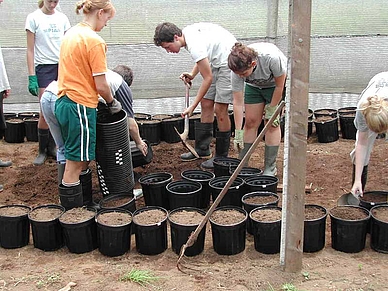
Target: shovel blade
(348, 199)
(183, 138)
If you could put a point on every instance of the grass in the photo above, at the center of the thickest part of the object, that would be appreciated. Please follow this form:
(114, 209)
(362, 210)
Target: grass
(141, 277)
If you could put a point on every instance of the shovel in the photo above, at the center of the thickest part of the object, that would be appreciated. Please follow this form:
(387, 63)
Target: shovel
(194, 235)
(183, 136)
(348, 199)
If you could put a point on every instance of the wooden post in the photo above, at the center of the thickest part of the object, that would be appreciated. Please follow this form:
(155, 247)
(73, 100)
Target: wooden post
(295, 141)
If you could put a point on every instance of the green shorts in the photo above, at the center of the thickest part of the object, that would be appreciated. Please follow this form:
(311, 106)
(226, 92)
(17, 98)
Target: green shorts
(254, 95)
(78, 128)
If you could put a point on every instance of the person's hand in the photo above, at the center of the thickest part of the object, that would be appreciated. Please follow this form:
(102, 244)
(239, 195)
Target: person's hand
(33, 86)
(114, 106)
(186, 77)
(269, 111)
(188, 111)
(6, 93)
(238, 141)
(357, 189)
(143, 148)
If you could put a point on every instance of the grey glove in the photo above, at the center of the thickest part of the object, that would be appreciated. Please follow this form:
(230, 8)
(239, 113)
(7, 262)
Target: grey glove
(114, 106)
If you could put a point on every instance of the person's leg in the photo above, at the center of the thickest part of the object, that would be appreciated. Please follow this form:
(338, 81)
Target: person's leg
(3, 125)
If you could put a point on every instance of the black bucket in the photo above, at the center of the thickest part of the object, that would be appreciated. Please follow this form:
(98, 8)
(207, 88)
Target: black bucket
(180, 232)
(15, 131)
(151, 239)
(229, 239)
(138, 159)
(47, 234)
(349, 235)
(114, 239)
(314, 230)
(184, 193)
(31, 128)
(234, 194)
(113, 154)
(265, 198)
(261, 183)
(325, 112)
(168, 129)
(266, 234)
(346, 120)
(154, 189)
(202, 177)
(327, 129)
(379, 228)
(245, 171)
(151, 130)
(14, 226)
(123, 201)
(222, 165)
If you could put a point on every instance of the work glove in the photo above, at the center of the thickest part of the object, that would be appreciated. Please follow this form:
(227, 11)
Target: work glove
(114, 106)
(238, 141)
(269, 111)
(33, 86)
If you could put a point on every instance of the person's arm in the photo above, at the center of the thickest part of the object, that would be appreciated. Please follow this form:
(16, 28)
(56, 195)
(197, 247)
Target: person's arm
(203, 67)
(134, 132)
(278, 92)
(103, 88)
(238, 109)
(30, 53)
(359, 160)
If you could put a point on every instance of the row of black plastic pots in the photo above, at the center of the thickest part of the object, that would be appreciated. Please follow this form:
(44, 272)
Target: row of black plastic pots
(20, 127)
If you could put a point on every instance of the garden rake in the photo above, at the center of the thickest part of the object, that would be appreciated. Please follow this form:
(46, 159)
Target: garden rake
(185, 133)
(194, 235)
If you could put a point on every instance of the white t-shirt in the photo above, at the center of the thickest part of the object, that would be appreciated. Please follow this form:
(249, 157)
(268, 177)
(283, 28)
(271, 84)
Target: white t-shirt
(49, 31)
(208, 40)
(4, 83)
(271, 63)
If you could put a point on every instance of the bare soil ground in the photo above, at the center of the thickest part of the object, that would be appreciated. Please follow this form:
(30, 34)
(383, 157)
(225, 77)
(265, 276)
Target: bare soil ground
(328, 172)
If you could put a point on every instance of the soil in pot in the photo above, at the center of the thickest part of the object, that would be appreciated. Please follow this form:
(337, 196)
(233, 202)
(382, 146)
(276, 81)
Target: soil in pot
(228, 224)
(46, 230)
(373, 198)
(80, 230)
(349, 225)
(15, 131)
(379, 228)
(266, 227)
(183, 221)
(141, 116)
(256, 199)
(150, 230)
(14, 226)
(314, 228)
(114, 231)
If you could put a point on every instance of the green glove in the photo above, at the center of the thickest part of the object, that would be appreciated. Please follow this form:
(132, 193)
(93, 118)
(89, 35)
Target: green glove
(238, 141)
(33, 86)
(269, 111)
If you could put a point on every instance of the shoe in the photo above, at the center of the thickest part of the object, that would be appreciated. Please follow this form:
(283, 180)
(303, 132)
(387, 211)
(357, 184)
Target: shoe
(5, 164)
(1, 188)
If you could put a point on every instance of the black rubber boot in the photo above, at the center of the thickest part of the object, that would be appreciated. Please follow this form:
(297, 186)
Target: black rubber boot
(87, 193)
(51, 147)
(70, 197)
(61, 170)
(270, 155)
(203, 137)
(43, 138)
(222, 148)
(364, 176)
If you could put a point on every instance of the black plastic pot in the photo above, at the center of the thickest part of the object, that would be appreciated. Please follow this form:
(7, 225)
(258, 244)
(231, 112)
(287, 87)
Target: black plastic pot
(327, 129)
(23, 115)
(266, 234)
(126, 202)
(250, 206)
(141, 116)
(114, 240)
(15, 131)
(379, 229)
(346, 120)
(229, 239)
(325, 112)
(234, 194)
(81, 236)
(349, 235)
(180, 232)
(184, 193)
(113, 154)
(168, 129)
(373, 198)
(31, 125)
(261, 183)
(192, 120)
(222, 165)
(154, 189)
(245, 171)
(151, 130)
(138, 159)
(15, 228)
(151, 239)
(202, 177)
(314, 231)
(47, 234)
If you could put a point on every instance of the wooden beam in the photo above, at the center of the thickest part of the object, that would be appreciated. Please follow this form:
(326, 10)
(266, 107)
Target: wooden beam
(295, 142)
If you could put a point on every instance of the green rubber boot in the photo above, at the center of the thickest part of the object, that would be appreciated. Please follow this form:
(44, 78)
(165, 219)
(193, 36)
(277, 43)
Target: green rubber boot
(270, 155)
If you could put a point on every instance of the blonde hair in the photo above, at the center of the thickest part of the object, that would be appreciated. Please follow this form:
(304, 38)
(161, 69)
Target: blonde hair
(375, 111)
(89, 5)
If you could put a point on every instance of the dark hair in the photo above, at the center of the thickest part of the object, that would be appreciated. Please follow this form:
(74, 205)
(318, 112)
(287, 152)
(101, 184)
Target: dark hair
(125, 72)
(165, 32)
(241, 57)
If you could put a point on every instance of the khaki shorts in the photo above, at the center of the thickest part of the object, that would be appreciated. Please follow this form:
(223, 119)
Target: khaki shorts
(220, 90)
